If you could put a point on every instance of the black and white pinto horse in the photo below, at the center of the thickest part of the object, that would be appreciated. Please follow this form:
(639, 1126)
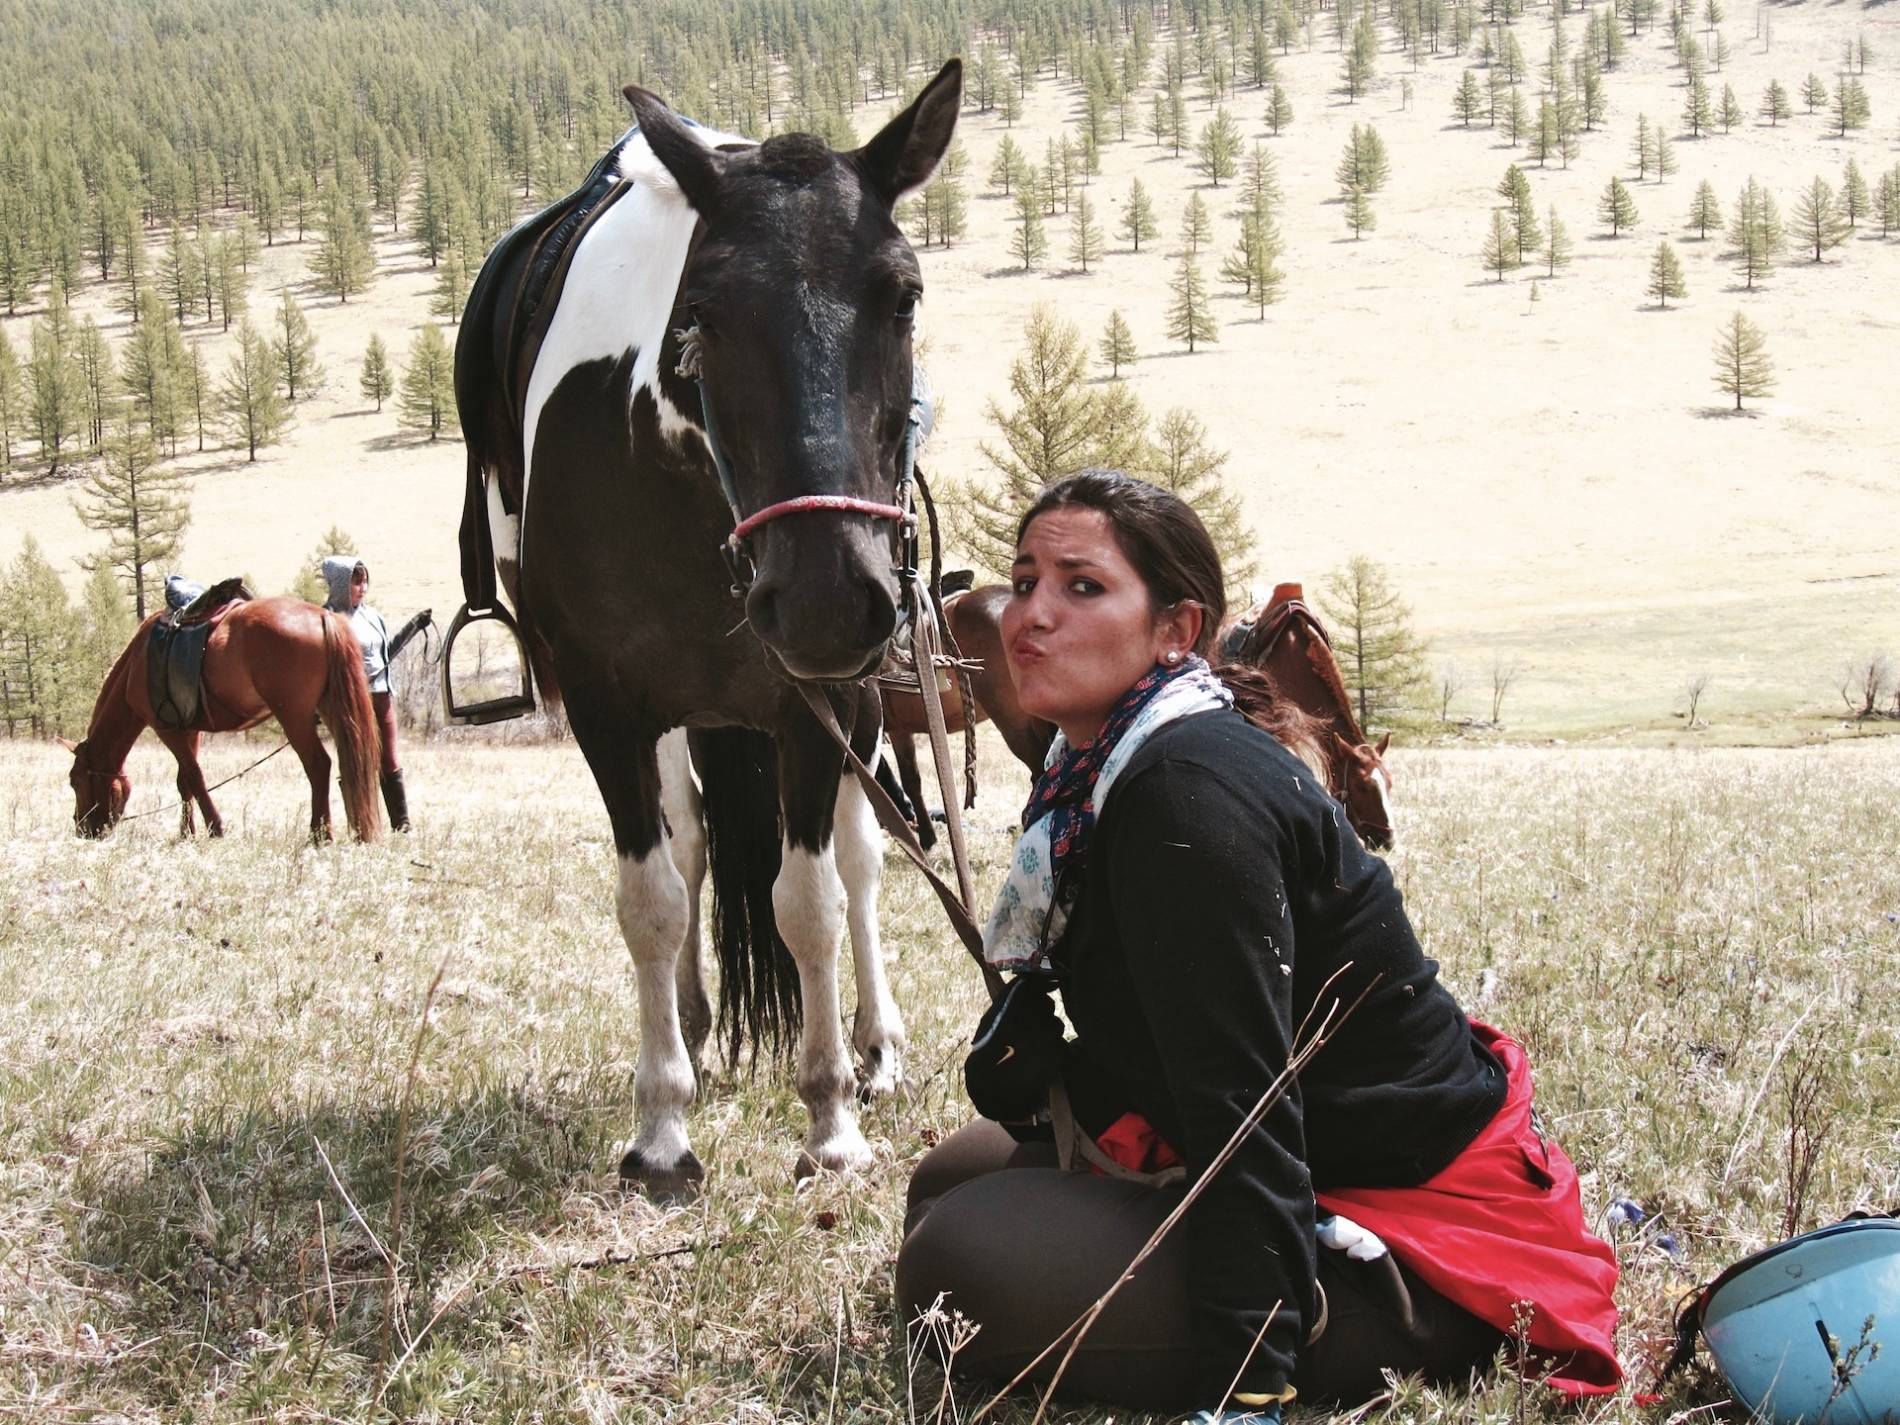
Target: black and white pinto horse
(627, 503)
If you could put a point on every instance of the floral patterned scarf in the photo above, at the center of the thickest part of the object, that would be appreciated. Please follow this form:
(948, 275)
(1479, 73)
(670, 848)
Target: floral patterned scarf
(1068, 796)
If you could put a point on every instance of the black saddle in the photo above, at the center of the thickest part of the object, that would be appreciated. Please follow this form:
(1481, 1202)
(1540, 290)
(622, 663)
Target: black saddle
(175, 654)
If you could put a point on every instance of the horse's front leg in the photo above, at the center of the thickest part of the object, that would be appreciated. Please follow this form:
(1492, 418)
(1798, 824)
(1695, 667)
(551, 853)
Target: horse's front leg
(877, 1030)
(650, 903)
(191, 783)
(686, 837)
(809, 903)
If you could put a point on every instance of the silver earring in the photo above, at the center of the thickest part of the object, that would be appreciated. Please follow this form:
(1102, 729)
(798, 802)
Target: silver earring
(1174, 655)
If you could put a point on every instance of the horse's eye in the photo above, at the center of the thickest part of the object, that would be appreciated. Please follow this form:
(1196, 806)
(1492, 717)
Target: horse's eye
(906, 306)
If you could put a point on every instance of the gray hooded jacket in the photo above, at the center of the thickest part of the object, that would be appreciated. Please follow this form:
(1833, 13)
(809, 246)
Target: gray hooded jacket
(365, 622)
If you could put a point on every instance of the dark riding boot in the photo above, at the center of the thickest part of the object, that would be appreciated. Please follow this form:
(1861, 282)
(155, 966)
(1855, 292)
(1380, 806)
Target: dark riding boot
(396, 800)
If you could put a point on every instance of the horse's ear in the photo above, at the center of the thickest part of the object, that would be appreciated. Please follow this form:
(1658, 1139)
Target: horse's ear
(1384, 742)
(1344, 746)
(908, 149)
(69, 746)
(698, 170)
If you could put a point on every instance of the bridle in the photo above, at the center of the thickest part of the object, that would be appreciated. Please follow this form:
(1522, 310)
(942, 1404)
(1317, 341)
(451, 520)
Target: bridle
(901, 512)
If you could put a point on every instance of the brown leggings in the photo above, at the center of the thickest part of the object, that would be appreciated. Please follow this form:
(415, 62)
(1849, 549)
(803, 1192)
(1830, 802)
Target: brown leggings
(386, 720)
(1022, 1248)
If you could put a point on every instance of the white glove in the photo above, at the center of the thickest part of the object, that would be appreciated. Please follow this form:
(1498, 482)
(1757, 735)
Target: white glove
(1342, 1234)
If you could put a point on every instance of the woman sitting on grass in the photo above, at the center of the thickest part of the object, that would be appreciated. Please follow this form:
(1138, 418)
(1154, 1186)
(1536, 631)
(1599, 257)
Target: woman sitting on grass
(1397, 1209)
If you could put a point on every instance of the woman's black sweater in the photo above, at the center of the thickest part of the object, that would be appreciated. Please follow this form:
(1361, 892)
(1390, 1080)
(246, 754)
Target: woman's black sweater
(1223, 889)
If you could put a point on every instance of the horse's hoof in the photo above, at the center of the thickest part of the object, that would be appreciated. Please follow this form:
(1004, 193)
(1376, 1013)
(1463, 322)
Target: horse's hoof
(843, 1154)
(682, 1179)
(879, 1076)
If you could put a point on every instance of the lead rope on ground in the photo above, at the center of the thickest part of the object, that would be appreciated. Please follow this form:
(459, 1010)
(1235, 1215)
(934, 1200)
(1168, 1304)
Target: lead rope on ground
(173, 806)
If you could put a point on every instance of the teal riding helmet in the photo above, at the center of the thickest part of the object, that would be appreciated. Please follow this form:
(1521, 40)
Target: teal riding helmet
(1795, 1327)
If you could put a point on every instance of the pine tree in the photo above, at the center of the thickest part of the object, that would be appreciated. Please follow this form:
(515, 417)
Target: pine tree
(1665, 276)
(1197, 225)
(108, 622)
(1379, 654)
(1006, 168)
(1260, 183)
(1467, 100)
(1279, 110)
(428, 382)
(178, 274)
(1138, 215)
(1856, 201)
(1813, 92)
(1705, 211)
(1774, 103)
(1818, 218)
(950, 197)
(1183, 462)
(250, 397)
(1617, 208)
(1557, 247)
(1085, 234)
(343, 264)
(1500, 246)
(1190, 314)
(101, 381)
(1731, 108)
(1219, 147)
(1364, 164)
(378, 382)
(55, 382)
(1666, 164)
(1742, 367)
(142, 508)
(1887, 201)
(1026, 239)
(1253, 261)
(194, 387)
(1054, 429)
(309, 585)
(1755, 232)
(1118, 344)
(41, 683)
(296, 351)
(1851, 107)
(1697, 111)
(1359, 215)
(12, 404)
(1515, 189)
(449, 294)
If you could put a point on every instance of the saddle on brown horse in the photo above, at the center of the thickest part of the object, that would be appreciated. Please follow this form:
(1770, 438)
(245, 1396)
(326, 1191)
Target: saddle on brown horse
(175, 654)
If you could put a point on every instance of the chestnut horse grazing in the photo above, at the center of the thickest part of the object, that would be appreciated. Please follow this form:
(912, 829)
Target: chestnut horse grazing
(276, 657)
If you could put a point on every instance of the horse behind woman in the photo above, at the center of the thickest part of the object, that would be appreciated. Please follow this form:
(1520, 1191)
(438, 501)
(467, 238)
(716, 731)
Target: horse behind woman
(275, 657)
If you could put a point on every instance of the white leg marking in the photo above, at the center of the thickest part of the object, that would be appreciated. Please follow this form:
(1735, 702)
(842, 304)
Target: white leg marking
(809, 903)
(651, 902)
(679, 803)
(877, 1030)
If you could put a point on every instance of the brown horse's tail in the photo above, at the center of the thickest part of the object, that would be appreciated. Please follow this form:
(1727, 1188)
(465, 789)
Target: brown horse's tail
(347, 711)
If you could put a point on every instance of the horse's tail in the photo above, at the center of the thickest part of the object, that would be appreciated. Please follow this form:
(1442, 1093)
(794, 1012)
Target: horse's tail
(351, 717)
(758, 981)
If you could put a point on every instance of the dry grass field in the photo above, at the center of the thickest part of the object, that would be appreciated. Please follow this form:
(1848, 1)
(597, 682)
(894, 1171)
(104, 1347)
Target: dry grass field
(1554, 483)
(205, 1051)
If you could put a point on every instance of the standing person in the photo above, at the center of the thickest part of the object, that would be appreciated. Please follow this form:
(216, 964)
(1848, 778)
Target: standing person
(1187, 884)
(347, 579)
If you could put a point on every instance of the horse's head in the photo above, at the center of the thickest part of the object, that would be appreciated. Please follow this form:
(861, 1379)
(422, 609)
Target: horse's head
(99, 794)
(802, 291)
(1365, 789)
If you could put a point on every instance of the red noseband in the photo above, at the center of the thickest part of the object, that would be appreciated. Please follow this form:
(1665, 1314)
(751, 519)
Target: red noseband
(845, 504)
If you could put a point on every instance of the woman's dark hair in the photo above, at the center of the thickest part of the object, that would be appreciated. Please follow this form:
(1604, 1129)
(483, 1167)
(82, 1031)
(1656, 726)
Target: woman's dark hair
(1175, 556)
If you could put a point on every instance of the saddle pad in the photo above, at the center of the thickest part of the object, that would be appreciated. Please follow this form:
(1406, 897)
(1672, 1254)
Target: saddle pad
(174, 672)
